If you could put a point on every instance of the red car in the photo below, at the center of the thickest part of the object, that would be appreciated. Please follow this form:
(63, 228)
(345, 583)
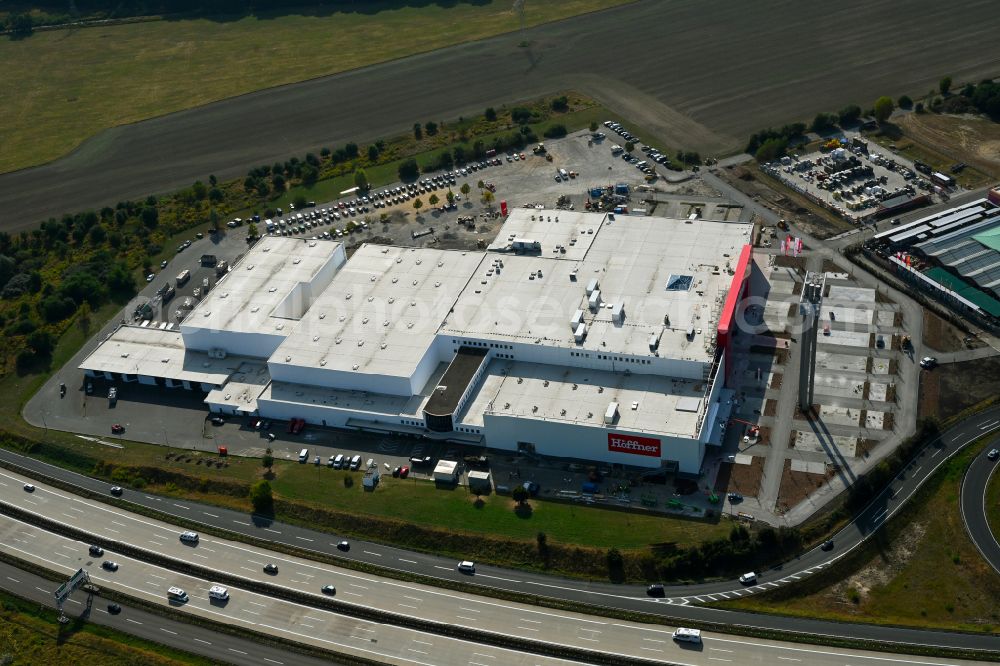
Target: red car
(298, 425)
(117, 429)
(404, 472)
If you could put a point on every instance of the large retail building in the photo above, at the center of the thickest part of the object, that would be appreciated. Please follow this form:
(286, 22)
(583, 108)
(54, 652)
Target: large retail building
(575, 335)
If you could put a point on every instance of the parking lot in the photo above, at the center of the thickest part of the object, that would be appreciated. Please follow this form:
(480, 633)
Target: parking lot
(850, 180)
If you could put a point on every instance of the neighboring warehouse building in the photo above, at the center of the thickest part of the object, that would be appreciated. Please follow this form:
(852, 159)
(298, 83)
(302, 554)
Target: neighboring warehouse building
(955, 253)
(577, 335)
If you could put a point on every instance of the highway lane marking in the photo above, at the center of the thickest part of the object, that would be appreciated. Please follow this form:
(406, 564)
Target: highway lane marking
(13, 579)
(237, 651)
(521, 619)
(353, 594)
(357, 585)
(298, 582)
(152, 575)
(302, 538)
(181, 506)
(202, 641)
(422, 642)
(174, 633)
(471, 610)
(412, 598)
(314, 619)
(208, 549)
(71, 517)
(438, 566)
(652, 640)
(651, 649)
(73, 508)
(273, 661)
(509, 580)
(918, 469)
(407, 561)
(303, 573)
(480, 654)
(63, 555)
(255, 603)
(211, 515)
(73, 601)
(718, 659)
(988, 425)
(789, 659)
(246, 568)
(719, 650)
(268, 529)
(368, 552)
(307, 625)
(407, 606)
(936, 451)
(204, 557)
(149, 582)
(247, 610)
(260, 564)
(150, 497)
(240, 522)
(528, 628)
(128, 619)
(417, 651)
(115, 522)
(460, 617)
(584, 638)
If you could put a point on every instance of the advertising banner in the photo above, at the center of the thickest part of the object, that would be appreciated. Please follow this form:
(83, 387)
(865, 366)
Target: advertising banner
(642, 446)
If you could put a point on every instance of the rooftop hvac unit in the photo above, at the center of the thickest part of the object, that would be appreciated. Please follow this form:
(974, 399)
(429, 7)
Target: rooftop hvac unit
(592, 286)
(580, 333)
(595, 300)
(577, 319)
(618, 313)
(611, 413)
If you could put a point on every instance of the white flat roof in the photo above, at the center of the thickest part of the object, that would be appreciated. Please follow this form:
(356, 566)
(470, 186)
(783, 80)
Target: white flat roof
(243, 387)
(244, 299)
(133, 350)
(582, 396)
(634, 258)
(553, 229)
(381, 312)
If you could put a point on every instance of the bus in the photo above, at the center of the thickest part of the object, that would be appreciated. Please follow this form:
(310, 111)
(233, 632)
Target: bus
(183, 277)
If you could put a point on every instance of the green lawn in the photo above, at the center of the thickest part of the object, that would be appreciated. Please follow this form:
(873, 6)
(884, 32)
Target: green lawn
(421, 503)
(63, 86)
(993, 502)
(922, 570)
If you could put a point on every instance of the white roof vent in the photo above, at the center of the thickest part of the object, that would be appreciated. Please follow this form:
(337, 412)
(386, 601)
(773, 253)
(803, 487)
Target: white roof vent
(206, 313)
(418, 262)
(374, 277)
(254, 309)
(287, 359)
(371, 298)
(347, 297)
(315, 338)
(229, 396)
(271, 290)
(296, 260)
(312, 244)
(322, 315)
(409, 325)
(437, 284)
(399, 260)
(414, 283)
(364, 320)
(382, 346)
(395, 280)
(385, 323)
(413, 303)
(125, 355)
(322, 361)
(224, 294)
(280, 326)
(392, 299)
(354, 367)
(341, 318)
(266, 249)
(361, 343)
(440, 264)
(338, 341)
(249, 267)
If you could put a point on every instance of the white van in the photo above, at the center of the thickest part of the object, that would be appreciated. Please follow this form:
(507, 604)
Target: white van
(355, 463)
(687, 635)
(338, 462)
(177, 594)
(218, 592)
(303, 455)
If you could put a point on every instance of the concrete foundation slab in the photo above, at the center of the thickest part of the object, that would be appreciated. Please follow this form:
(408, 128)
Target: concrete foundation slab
(838, 385)
(844, 338)
(874, 420)
(848, 362)
(856, 294)
(886, 318)
(810, 467)
(846, 315)
(845, 416)
(880, 366)
(808, 441)
(877, 391)
(743, 459)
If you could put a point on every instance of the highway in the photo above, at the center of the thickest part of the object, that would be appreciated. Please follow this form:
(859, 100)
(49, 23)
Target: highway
(382, 642)
(973, 503)
(217, 646)
(441, 605)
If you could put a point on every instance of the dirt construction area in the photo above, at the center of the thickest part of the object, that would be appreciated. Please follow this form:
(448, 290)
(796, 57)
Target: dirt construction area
(698, 77)
(960, 138)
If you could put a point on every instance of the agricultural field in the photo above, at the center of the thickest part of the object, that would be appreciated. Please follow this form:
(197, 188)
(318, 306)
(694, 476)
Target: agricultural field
(698, 80)
(64, 86)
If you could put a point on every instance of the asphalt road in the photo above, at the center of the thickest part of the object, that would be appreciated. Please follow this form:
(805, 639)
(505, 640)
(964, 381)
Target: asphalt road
(973, 502)
(678, 604)
(699, 75)
(222, 648)
(386, 643)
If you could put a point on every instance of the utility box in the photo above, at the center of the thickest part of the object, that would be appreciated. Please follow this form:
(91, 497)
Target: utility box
(446, 472)
(479, 483)
(618, 313)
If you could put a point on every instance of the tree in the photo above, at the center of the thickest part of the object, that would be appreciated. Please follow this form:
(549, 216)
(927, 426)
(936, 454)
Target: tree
(41, 342)
(252, 230)
(83, 317)
(417, 204)
(944, 85)
(433, 200)
(488, 198)
(490, 114)
(629, 146)
(560, 103)
(883, 108)
(771, 149)
(431, 128)
(373, 153)
(520, 115)
(361, 179)
(849, 114)
(465, 189)
(593, 128)
(450, 196)
(20, 25)
(480, 184)
(268, 460)
(616, 565)
(519, 494)
(409, 170)
(261, 497)
(823, 122)
(418, 133)
(310, 174)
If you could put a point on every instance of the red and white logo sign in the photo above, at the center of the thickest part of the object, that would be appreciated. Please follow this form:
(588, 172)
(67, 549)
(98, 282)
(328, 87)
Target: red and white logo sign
(643, 446)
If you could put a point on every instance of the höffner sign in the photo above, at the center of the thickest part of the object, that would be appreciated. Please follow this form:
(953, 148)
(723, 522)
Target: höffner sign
(643, 446)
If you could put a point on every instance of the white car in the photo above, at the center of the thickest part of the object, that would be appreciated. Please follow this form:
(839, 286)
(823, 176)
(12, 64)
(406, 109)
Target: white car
(467, 566)
(149, 278)
(748, 578)
(993, 454)
(189, 537)
(928, 362)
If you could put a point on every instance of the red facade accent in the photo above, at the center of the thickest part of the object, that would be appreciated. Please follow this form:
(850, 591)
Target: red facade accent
(643, 446)
(737, 290)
